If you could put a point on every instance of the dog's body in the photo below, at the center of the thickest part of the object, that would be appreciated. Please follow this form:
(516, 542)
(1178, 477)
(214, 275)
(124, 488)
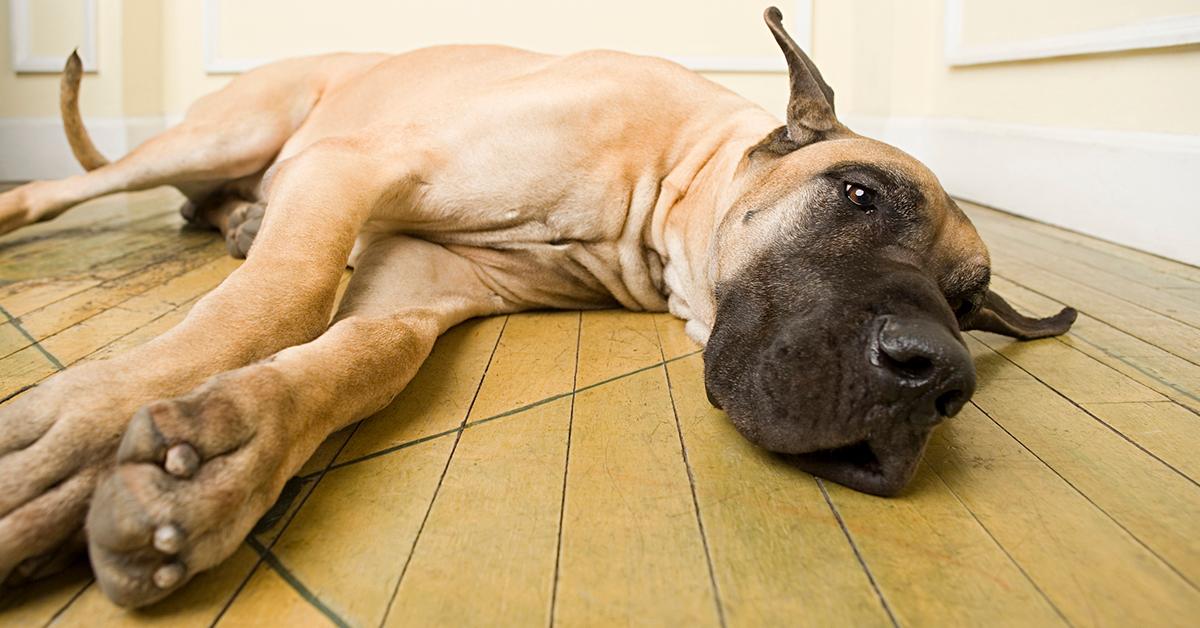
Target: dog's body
(459, 181)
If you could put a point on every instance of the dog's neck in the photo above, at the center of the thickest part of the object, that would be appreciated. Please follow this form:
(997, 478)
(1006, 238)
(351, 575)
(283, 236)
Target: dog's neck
(695, 197)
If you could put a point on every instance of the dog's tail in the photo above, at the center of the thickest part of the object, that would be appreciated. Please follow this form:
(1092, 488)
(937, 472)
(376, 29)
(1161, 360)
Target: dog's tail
(68, 104)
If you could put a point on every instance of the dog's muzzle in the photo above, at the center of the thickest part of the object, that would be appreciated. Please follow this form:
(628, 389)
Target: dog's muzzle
(927, 375)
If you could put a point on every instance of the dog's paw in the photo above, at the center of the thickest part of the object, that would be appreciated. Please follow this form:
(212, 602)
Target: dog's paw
(193, 476)
(244, 223)
(193, 213)
(56, 441)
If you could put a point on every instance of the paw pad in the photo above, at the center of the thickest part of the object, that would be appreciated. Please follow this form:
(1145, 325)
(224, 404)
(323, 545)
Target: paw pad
(182, 461)
(243, 227)
(168, 576)
(168, 539)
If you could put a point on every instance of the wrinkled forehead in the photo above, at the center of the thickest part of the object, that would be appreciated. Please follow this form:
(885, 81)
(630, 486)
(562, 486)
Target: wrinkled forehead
(889, 162)
(785, 189)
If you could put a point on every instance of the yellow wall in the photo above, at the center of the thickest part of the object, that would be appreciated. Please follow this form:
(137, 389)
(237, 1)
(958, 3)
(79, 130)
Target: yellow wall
(884, 57)
(152, 59)
(30, 95)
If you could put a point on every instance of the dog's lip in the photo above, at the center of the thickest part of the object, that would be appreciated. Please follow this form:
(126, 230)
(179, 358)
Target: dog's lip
(857, 465)
(856, 453)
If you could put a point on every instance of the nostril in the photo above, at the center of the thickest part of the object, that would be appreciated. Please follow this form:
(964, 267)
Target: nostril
(950, 402)
(916, 366)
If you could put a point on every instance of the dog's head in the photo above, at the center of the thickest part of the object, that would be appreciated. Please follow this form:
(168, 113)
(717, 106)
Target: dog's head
(844, 277)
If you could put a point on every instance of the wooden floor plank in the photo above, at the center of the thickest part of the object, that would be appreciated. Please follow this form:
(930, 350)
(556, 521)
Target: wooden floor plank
(350, 540)
(1093, 571)
(1165, 429)
(36, 604)
(1128, 290)
(32, 363)
(1149, 260)
(268, 600)
(78, 307)
(94, 242)
(1012, 235)
(418, 483)
(534, 360)
(112, 211)
(12, 337)
(1153, 421)
(613, 342)
(438, 397)
(23, 297)
(145, 333)
(631, 549)
(197, 604)
(675, 342)
(779, 556)
(1141, 361)
(171, 244)
(78, 341)
(493, 530)
(1070, 372)
(934, 563)
(1165, 333)
(1191, 294)
(104, 253)
(631, 546)
(1155, 503)
(23, 369)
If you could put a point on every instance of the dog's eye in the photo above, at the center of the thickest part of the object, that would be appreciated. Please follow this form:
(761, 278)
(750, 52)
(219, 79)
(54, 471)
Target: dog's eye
(859, 195)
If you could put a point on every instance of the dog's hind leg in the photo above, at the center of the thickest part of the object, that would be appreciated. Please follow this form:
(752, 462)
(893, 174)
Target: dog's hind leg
(232, 133)
(231, 444)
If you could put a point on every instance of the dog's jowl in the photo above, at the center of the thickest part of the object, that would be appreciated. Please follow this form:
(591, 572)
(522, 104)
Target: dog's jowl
(829, 275)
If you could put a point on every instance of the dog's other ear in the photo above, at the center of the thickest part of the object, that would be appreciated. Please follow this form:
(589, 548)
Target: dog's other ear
(810, 114)
(997, 316)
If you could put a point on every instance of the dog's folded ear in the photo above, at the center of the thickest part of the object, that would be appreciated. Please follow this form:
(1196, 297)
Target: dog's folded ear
(810, 113)
(997, 316)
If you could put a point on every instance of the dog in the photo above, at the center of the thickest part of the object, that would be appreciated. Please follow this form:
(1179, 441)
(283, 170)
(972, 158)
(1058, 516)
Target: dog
(829, 277)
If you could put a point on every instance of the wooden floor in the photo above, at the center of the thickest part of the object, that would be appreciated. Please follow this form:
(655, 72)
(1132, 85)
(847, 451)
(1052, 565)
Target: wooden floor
(566, 467)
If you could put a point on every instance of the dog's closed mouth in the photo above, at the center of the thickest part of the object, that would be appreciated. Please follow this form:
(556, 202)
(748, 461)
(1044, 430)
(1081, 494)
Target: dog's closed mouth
(856, 465)
(857, 455)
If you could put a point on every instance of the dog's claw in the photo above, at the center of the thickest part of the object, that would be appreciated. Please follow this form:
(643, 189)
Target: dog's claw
(182, 461)
(142, 442)
(168, 576)
(168, 539)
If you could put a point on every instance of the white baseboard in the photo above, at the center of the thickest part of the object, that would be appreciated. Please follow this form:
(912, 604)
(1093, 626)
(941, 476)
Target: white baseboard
(36, 148)
(1135, 189)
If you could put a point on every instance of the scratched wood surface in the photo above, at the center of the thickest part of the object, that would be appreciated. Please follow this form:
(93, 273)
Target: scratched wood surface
(566, 468)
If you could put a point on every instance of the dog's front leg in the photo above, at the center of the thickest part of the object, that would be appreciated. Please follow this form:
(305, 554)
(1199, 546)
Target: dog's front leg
(58, 440)
(195, 473)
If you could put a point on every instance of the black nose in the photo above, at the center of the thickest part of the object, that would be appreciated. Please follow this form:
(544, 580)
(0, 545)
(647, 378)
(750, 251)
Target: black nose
(926, 364)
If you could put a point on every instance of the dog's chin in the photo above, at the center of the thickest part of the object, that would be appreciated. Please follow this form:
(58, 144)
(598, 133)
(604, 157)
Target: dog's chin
(869, 450)
(865, 465)
(882, 464)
